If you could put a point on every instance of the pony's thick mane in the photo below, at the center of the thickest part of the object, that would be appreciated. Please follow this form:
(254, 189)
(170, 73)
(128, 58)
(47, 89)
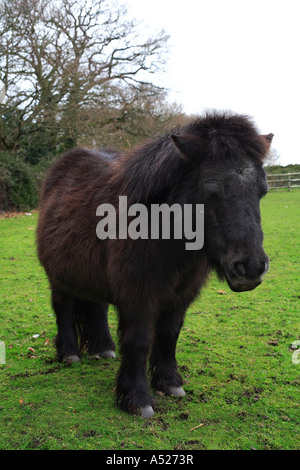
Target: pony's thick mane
(228, 134)
(155, 165)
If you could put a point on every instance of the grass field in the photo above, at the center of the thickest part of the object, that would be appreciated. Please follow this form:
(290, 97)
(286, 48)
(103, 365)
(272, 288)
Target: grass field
(234, 353)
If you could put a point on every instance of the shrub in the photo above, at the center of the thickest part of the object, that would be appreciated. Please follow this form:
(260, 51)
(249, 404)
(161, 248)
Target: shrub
(19, 183)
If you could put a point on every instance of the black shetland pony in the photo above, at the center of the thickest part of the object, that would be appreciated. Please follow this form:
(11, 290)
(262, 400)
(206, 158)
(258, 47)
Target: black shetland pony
(216, 160)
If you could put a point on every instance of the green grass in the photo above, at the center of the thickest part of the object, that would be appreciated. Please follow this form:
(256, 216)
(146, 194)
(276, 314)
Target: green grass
(234, 354)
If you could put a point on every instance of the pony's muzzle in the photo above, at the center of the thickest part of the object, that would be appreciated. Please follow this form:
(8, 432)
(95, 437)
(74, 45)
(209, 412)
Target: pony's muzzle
(244, 274)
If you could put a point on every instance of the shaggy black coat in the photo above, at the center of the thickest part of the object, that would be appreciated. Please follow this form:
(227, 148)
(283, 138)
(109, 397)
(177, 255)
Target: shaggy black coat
(215, 160)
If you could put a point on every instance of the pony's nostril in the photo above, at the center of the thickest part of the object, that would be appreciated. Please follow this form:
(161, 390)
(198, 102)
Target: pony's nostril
(256, 269)
(262, 268)
(250, 269)
(240, 269)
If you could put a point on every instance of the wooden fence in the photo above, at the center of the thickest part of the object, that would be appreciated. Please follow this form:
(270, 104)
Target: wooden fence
(284, 181)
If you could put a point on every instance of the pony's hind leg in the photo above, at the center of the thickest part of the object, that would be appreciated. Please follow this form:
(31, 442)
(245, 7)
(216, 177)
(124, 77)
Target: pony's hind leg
(66, 340)
(94, 329)
(163, 364)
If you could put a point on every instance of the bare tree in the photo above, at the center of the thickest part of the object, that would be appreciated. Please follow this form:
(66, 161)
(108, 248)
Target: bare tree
(2, 92)
(273, 158)
(142, 114)
(59, 59)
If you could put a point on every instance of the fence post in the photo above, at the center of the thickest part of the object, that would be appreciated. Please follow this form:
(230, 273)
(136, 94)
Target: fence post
(284, 181)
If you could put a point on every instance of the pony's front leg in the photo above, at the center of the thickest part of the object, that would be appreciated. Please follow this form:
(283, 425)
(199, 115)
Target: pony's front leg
(163, 364)
(135, 331)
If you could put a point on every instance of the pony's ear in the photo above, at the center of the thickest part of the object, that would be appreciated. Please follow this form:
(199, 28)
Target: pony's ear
(190, 146)
(267, 140)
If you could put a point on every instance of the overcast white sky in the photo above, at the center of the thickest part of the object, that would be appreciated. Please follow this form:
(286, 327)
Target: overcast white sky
(241, 55)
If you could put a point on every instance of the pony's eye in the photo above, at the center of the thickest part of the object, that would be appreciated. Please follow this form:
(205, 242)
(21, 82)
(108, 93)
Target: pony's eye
(213, 188)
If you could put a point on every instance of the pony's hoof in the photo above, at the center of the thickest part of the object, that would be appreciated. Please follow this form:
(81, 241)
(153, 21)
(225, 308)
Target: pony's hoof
(72, 358)
(176, 391)
(147, 411)
(106, 354)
